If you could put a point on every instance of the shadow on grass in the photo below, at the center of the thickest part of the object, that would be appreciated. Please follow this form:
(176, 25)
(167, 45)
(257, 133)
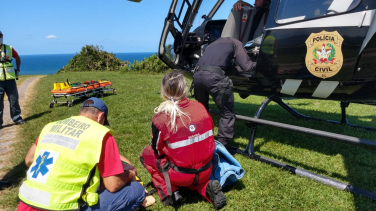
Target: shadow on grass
(15, 175)
(63, 102)
(358, 161)
(36, 116)
(9, 125)
(193, 197)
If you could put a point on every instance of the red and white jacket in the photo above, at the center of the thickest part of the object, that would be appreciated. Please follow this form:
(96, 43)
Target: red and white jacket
(192, 145)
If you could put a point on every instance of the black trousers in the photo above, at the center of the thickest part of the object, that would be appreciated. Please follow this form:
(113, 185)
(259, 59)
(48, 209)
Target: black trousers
(221, 89)
(9, 87)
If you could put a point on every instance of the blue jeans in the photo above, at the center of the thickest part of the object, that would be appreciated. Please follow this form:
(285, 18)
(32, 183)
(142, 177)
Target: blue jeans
(127, 198)
(10, 88)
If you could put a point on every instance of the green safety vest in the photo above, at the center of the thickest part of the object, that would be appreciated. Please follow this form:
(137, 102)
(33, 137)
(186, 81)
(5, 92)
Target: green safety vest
(7, 71)
(268, 45)
(64, 174)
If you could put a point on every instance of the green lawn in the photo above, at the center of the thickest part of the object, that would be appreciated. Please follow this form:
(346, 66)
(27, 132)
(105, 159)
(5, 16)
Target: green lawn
(263, 187)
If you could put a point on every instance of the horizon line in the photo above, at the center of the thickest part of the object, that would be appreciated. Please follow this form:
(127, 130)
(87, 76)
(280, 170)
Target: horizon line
(76, 53)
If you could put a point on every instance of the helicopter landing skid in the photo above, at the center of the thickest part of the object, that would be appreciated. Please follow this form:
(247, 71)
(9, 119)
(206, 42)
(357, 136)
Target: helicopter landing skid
(249, 150)
(344, 121)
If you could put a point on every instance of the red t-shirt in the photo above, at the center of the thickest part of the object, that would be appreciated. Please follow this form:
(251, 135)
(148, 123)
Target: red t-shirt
(109, 164)
(14, 53)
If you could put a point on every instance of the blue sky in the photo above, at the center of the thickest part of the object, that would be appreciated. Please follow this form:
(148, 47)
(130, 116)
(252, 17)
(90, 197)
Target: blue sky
(64, 26)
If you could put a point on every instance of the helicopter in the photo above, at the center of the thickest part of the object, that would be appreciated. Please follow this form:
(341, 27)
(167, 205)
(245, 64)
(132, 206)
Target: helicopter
(312, 49)
(323, 49)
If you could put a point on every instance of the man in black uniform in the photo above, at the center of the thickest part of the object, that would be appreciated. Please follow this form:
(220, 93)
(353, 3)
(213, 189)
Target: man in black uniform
(210, 78)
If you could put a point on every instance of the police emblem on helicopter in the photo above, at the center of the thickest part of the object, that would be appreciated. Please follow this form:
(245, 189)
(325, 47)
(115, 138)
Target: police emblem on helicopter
(324, 57)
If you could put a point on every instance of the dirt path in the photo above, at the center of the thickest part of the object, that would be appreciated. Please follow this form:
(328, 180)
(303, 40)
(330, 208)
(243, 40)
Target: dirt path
(9, 131)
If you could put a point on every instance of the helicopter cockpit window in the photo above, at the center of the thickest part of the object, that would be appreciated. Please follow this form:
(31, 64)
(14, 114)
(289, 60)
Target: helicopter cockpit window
(296, 10)
(182, 13)
(169, 47)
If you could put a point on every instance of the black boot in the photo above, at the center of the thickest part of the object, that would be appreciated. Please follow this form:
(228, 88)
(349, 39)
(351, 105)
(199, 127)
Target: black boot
(215, 194)
(232, 150)
(170, 200)
(223, 141)
(167, 201)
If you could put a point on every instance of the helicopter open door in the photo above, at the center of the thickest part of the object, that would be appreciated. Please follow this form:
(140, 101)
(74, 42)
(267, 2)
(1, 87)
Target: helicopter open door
(179, 48)
(177, 25)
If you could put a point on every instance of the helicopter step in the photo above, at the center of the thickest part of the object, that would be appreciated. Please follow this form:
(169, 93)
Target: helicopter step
(250, 152)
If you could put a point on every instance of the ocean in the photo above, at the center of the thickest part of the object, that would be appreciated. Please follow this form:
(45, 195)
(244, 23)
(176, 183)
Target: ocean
(51, 63)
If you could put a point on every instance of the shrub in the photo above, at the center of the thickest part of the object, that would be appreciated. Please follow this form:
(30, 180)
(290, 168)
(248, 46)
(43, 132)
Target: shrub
(93, 58)
(149, 65)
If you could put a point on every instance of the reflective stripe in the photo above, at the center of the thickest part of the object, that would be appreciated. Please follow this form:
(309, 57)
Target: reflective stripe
(291, 86)
(60, 140)
(325, 88)
(159, 136)
(345, 20)
(37, 196)
(190, 140)
(10, 69)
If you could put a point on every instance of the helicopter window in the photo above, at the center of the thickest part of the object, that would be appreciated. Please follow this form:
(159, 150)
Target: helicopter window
(182, 12)
(169, 47)
(296, 10)
(213, 30)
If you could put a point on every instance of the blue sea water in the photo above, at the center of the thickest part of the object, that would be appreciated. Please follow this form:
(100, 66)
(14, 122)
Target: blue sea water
(50, 63)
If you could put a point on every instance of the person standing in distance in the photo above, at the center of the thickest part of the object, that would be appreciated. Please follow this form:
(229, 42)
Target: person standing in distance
(210, 79)
(8, 76)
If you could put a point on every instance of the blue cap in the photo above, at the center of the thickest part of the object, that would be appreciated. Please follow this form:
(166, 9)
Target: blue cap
(100, 105)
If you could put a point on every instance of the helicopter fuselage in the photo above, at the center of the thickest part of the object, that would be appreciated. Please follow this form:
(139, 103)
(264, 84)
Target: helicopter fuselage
(331, 56)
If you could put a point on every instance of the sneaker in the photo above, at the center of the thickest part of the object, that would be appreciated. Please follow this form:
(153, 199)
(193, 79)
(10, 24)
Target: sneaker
(20, 122)
(215, 194)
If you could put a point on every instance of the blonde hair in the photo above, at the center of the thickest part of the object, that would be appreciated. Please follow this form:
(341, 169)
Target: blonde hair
(173, 89)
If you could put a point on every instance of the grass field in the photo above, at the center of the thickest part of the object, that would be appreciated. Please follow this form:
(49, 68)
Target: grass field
(263, 187)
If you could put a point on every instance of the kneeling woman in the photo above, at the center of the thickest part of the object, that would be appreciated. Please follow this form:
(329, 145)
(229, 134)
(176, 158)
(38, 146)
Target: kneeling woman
(182, 145)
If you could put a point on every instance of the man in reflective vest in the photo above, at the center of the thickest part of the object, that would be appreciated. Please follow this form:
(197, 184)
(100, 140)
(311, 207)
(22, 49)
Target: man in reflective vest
(8, 83)
(74, 157)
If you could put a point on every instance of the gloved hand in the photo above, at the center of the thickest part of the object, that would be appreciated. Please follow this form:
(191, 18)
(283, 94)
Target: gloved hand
(17, 73)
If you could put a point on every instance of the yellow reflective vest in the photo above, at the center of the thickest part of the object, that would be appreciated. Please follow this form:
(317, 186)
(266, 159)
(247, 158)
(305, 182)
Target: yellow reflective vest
(64, 174)
(7, 71)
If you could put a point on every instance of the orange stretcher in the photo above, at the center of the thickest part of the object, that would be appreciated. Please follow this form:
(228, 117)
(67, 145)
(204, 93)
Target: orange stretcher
(75, 90)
